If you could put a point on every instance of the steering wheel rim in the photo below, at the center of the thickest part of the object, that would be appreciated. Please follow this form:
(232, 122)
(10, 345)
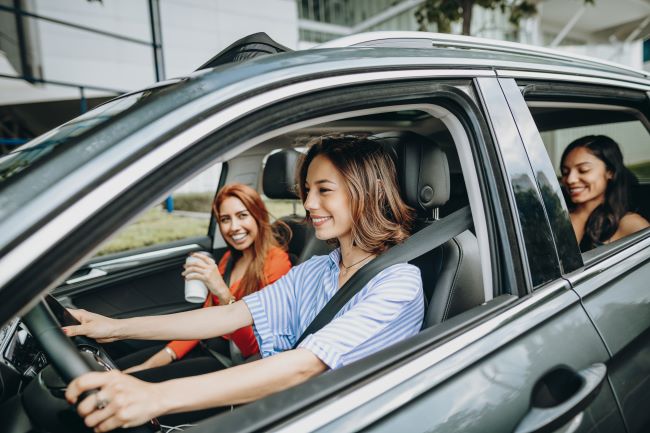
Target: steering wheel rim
(60, 350)
(63, 354)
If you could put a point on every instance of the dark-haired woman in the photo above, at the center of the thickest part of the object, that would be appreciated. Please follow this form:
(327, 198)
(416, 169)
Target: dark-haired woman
(258, 260)
(596, 183)
(350, 193)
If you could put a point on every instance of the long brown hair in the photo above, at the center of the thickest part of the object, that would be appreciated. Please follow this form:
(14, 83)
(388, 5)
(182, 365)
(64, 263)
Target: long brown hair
(604, 220)
(380, 217)
(268, 235)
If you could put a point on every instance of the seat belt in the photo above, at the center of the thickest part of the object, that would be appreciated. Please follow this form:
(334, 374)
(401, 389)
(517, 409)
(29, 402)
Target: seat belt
(427, 239)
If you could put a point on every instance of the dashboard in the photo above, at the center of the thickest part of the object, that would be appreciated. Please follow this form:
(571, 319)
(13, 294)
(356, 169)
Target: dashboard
(20, 358)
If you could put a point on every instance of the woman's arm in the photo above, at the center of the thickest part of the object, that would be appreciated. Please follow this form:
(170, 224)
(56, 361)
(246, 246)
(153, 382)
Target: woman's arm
(188, 325)
(132, 402)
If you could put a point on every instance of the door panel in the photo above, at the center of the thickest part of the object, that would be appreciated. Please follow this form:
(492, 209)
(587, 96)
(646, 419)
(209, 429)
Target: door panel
(140, 283)
(616, 295)
(488, 386)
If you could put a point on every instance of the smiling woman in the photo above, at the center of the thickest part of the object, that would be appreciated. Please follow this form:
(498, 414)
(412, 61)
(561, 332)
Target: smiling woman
(596, 182)
(256, 257)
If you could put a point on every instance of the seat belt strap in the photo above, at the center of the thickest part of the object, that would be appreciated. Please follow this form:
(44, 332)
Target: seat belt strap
(427, 239)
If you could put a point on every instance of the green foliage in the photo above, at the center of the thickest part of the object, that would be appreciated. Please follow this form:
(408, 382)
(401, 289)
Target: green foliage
(194, 202)
(444, 12)
(155, 227)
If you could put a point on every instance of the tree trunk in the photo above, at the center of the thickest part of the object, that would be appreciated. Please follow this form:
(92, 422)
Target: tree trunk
(467, 5)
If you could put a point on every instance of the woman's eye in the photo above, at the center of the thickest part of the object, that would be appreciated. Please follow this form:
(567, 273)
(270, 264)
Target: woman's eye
(323, 190)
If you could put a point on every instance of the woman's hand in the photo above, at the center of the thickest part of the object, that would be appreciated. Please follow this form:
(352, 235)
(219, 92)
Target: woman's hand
(120, 401)
(101, 328)
(206, 270)
(157, 360)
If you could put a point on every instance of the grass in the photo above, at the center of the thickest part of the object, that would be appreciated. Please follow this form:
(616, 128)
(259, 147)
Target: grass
(155, 227)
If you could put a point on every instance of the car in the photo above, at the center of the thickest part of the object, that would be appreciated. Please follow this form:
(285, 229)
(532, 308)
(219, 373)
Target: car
(524, 332)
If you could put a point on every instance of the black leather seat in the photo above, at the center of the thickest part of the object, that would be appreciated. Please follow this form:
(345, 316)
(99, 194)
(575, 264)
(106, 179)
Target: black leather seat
(278, 182)
(451, 273)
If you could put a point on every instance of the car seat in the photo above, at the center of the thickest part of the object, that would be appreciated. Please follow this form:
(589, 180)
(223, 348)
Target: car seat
(278, 182)
(450, 277)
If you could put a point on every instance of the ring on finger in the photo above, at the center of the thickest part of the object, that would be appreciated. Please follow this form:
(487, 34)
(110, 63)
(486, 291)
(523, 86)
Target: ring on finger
(101, 402)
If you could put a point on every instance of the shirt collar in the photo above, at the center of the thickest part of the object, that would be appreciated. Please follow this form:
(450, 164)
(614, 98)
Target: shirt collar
(335, 257)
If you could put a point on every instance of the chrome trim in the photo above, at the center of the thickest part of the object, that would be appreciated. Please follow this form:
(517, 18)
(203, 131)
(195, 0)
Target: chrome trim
(447, 40)
(94, 273)
(41, 240)
(343, 404)
(137, 259)
(534, 75)
(624, 260)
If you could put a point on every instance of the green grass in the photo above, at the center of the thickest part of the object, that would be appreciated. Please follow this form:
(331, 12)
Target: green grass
(195, 202)
(642, 171)
(154, 227)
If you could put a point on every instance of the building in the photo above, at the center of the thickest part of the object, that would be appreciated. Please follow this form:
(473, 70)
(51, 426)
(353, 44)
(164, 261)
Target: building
(57, 59)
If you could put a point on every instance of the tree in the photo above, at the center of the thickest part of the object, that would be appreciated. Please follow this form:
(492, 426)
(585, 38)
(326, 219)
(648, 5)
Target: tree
(445, 12)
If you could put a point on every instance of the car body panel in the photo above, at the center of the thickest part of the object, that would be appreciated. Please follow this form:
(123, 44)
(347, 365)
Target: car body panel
(486, 384)
(616, 295)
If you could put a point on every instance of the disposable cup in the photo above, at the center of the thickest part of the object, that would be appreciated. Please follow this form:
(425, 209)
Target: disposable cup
(195, 290)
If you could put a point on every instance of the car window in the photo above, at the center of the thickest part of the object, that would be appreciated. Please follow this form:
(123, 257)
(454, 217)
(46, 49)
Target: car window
(185, 213)
(564, 124)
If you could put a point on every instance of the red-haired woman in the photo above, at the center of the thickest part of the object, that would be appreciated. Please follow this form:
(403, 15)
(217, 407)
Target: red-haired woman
(258, 260)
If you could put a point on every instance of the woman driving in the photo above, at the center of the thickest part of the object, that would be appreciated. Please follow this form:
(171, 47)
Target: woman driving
(349, 191)
(596, 183)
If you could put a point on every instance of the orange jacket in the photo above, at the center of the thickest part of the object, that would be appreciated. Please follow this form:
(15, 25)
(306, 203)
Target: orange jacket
(276, 265)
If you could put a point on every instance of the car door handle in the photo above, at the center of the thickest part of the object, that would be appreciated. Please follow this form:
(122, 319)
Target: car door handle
(561, 395)
(93, 273)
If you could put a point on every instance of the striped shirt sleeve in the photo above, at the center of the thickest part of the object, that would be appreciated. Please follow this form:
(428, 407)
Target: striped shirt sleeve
(390, 309)
(271, 310)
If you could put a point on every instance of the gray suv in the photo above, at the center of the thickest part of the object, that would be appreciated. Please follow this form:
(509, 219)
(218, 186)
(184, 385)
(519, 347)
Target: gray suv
(524, 332)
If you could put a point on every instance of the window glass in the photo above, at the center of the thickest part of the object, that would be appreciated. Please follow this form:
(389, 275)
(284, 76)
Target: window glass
(585, 182)
(184, 214)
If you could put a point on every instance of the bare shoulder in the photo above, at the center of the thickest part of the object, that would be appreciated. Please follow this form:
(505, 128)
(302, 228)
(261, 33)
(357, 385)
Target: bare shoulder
(631, 223)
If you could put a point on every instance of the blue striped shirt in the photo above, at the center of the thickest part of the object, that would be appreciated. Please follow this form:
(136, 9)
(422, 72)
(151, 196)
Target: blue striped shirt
(389, 308)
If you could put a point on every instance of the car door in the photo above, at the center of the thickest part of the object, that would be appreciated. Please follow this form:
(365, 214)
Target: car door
(612, 284)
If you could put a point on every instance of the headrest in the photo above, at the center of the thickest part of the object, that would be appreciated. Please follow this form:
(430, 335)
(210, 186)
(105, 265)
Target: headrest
(422, 169)
(278, 179)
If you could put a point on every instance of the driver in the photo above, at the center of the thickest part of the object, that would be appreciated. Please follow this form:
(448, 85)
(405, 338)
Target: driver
(349, 191)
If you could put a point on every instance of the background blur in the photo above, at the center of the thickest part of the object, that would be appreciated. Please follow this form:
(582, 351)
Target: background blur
(60, 58)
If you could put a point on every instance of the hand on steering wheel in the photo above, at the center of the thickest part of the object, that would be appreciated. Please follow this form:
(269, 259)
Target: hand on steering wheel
(68, 361)
(100, 328)
(121, 400)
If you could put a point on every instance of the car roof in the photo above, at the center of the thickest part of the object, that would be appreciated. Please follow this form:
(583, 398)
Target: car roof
(461, 44)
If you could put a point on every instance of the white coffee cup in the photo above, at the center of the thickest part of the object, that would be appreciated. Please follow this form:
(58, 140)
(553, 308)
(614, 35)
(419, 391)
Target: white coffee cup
(195, 290)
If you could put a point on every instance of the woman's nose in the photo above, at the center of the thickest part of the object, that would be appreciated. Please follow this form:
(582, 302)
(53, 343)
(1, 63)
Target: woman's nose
(311, 202)
(234, 225)
(571, 177)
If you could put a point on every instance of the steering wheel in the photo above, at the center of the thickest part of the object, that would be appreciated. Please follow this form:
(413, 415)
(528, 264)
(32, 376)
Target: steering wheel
(63, 355)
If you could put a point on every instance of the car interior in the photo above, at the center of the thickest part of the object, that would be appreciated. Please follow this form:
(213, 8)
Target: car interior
(432, 159)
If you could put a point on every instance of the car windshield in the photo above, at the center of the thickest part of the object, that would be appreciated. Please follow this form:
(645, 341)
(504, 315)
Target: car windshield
(47, 143)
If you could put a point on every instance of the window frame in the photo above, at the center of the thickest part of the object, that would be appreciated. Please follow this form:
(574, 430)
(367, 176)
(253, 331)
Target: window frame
(591, 96)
